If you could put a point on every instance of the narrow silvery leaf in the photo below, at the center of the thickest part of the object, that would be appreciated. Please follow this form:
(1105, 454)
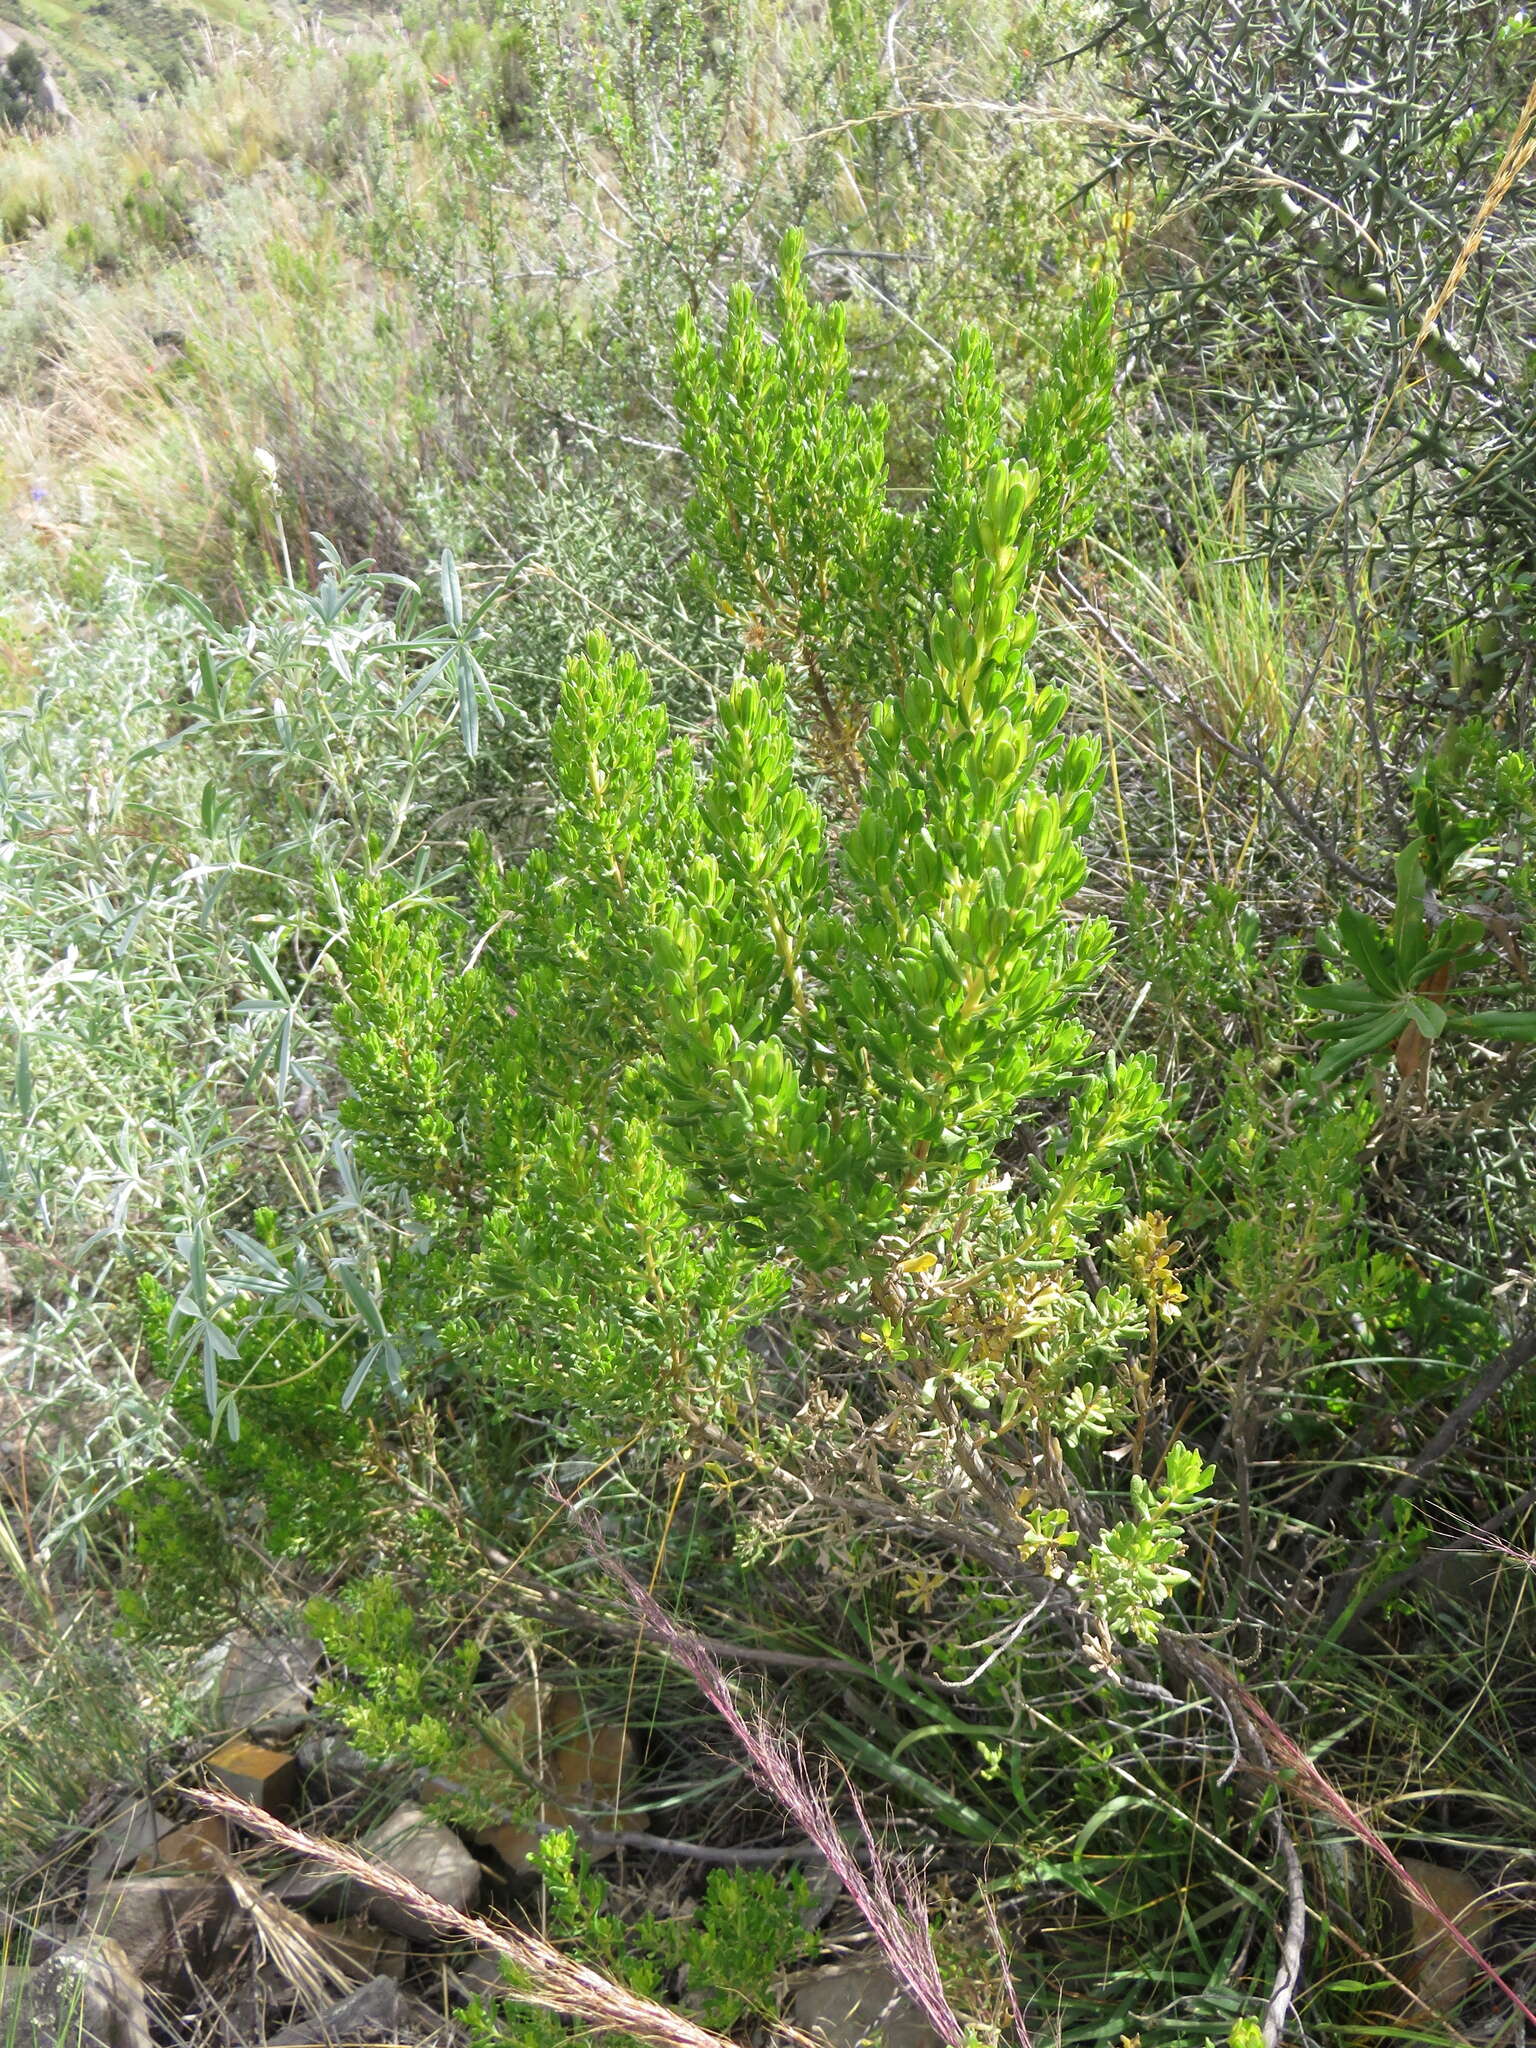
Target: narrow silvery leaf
(453, 595)
(23, 1076)
(469, 706)
(357, 1293)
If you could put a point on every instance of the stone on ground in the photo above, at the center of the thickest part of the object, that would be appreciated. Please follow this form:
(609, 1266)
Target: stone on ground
(196, 1846)
(1436, 1967)
(862, 2003)
(168, 1926)
(86, 1995)
(331, 1767)
(427, 1855)
(377, 2012)
(265, 1684)
(130, 1834)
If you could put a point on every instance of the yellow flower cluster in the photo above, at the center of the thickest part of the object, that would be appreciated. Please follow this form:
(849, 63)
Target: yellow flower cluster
(1145, 1252)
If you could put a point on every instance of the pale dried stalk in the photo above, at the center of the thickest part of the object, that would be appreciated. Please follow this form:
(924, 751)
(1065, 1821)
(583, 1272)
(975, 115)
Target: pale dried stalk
(545, 1977)
(1518, 153)
(286, 1938)
(885, 1889)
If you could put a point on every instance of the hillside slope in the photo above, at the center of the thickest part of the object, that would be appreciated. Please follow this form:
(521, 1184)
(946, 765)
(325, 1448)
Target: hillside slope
(107, 49)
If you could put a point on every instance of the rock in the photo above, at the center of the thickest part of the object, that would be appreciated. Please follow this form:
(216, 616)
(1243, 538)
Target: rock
(197, 1846)
(167, 1925)
(861, 2003)
(427, 1855)
(527, 1709)
(1433, 1966)
(825, 1888)
(268, 1778)
(377, 2012)
(1465, 1573)
(330, 1766)
(325, 1894)
(481, 1977)
(362, 1948)
(265, 1685)
(512, 1843)
(14, 1980)
(584, 1768)
(87, 1995)
(129, 1835)
(590, 1767)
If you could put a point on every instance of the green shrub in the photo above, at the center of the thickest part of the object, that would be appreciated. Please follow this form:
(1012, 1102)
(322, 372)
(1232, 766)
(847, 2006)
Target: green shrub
(23, 97)
(727, 1955)
(792, 503)
(724, 1044)
(396, 1696)
(1316, 203)
(267, 1486)
(169, 798)
(1469, 862)
(1314, 1308)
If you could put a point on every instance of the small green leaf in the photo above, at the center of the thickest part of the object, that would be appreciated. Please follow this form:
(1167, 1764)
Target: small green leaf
(1516, 1025)
(1427, 1014)
(1408, 913)
(1350, 998)
(1364, 944)
(267, 972)
(1360, 1045)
